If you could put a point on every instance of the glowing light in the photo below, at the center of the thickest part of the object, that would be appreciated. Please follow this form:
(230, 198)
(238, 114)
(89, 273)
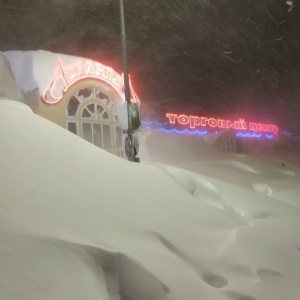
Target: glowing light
(182, 131)
(65, 76)
(251, 135)
(240, 124)
(183, 120)
(133, 94)
(195, 132)
(172, 118)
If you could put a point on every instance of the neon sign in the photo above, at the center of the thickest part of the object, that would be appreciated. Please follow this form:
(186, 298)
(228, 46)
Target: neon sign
(65, 76)
(240, 124)
(195, 132)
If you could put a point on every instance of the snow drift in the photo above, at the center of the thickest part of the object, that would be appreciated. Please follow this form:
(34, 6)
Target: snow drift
(80, 223)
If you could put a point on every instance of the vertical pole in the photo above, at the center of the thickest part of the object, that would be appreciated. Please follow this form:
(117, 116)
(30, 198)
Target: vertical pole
(124, 61)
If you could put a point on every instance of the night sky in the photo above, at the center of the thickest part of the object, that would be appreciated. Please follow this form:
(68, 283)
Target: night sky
(226, 58)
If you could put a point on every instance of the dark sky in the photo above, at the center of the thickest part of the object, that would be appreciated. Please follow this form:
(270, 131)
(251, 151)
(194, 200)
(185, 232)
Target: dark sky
(221, 57)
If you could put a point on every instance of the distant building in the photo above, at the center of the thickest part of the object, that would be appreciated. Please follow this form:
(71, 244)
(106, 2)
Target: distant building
(78, 94)
(224, 141)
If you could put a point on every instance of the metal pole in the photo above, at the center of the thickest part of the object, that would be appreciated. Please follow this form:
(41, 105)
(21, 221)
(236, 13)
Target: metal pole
(124, 61)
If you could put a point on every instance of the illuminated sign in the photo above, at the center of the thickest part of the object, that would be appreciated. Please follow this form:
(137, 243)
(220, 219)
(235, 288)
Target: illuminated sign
(240, 124)
(65, 76)
(153, 125)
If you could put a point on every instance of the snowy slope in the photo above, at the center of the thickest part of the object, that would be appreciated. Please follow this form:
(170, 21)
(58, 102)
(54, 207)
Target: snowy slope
(79, 223)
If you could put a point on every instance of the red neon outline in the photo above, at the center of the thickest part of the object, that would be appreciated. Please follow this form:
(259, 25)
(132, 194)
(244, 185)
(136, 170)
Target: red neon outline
(204, 121)
(85, 69)
(215, 121)
(193, 124)
(183, 122)
(173, 116)
(239, 124)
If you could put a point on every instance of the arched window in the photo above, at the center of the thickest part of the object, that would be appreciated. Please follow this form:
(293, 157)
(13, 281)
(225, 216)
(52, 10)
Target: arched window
(95, 115)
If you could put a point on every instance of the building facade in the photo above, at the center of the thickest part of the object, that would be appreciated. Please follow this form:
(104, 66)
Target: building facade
(80, 95)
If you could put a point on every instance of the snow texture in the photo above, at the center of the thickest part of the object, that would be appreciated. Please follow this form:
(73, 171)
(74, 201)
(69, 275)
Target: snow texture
(191, 223)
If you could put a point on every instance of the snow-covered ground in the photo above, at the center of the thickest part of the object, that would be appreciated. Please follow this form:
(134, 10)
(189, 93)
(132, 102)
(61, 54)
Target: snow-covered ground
(188, 223)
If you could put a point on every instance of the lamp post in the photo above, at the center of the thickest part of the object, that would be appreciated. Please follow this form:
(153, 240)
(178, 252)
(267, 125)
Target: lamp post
(133, 113)
(124, 55)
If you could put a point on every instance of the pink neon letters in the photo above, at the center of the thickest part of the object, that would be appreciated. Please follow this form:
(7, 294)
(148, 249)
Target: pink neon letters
(240, 124)
(67, 75)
